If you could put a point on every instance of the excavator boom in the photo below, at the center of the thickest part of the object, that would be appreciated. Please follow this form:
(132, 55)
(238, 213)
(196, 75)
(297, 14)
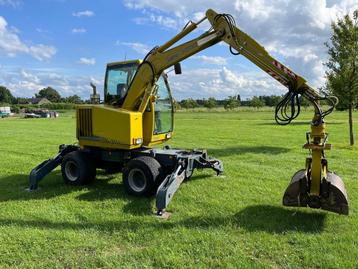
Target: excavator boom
(316, 187)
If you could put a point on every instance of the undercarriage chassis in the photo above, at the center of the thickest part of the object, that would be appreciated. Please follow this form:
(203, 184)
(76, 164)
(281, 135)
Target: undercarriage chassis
(144, 169)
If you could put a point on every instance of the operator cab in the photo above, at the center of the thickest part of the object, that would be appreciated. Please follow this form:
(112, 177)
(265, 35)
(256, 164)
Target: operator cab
(119, 76)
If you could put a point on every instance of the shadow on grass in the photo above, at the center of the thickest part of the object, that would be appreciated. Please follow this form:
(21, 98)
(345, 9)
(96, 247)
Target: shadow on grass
(199, 177)
(256, 218)
(139, 206)
(247, 149)
(265, 218)
(279, 220)
(13, 188)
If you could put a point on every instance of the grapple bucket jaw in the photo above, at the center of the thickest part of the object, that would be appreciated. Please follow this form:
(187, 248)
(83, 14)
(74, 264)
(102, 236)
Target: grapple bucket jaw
(333, 195)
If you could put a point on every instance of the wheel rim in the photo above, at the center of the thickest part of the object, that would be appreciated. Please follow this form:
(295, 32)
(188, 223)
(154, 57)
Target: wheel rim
(72, 171)
(137, 180)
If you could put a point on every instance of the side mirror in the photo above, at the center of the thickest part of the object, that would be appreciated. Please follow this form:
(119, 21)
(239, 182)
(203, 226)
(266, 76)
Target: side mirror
(177, 69)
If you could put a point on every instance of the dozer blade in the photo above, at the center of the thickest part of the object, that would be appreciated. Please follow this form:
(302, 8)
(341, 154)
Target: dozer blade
(333, 196)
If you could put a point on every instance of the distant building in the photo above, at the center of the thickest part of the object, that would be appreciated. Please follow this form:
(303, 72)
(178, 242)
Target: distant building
(39, 101)
(5, 111)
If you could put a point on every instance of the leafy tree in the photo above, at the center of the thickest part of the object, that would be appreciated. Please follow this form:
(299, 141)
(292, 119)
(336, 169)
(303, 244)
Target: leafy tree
(231, 102)
(15, 109)
(256, 102)
(271, 100)
(304, 102)
(210, 103)
(6, 96)
(176, 105)
(21, 100)
(189, 103)
(342, 64)
(73, 99)
(238, 98)
(49, 93)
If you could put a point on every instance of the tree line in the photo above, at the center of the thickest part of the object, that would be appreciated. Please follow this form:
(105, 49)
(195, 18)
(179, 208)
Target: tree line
(6, 97)
(233, 102)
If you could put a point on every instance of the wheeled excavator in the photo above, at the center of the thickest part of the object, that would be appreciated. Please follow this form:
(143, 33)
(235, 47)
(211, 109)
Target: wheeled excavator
(137, 114)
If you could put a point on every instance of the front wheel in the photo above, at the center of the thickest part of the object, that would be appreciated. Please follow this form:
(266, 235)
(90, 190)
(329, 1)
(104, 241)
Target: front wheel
(78, 168)
(142, 176)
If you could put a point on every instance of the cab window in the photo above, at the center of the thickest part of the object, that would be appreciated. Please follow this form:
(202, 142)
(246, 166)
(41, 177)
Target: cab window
(163, 108)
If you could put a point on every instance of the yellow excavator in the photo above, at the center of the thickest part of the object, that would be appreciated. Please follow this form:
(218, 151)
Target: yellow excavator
(137, 114)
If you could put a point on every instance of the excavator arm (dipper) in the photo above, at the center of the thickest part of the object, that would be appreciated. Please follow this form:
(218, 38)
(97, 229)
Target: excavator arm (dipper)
(314, 186)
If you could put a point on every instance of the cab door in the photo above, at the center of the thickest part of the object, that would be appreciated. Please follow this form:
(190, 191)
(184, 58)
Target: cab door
(158, 118)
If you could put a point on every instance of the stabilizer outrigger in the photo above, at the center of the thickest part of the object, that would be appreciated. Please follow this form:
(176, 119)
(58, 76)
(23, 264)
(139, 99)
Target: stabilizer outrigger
(44, 168)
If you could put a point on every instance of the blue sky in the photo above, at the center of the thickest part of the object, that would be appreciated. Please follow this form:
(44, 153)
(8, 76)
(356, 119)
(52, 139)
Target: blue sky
(66, 44)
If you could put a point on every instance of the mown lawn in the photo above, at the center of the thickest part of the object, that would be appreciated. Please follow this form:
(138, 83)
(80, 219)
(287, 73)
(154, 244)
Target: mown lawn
(235, 221)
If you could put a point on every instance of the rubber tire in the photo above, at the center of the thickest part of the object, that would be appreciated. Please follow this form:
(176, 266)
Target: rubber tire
(152, 171)
(85, 165)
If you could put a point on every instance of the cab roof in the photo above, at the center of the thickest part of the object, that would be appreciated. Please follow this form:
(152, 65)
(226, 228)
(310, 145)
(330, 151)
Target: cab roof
(138, 61)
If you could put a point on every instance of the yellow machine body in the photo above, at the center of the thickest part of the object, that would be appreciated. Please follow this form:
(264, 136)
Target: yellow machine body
(108, 126)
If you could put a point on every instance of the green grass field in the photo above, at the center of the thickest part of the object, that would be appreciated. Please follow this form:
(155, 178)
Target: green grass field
(235, 221)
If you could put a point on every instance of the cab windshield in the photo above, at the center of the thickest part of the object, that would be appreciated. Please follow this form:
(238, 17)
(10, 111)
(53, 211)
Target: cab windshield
(118, 79)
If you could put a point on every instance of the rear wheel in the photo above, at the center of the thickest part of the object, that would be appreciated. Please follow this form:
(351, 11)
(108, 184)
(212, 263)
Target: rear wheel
(142, 176)
(78, 168)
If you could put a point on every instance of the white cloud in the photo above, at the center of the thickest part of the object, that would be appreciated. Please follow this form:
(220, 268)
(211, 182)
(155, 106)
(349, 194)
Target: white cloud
(164, 21)
(79, 30)
(42, 52)
(222, 82)
(217, 60)
(21, 83)
(11, 44)
(179, 9)
(153, 18)
(136, 46)
(12, 3)
(95, 81)
(87, 61)
(42, 31)
(140, 20)
(85, 13)
(256, 9)
(29, 76)
(26, 83)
